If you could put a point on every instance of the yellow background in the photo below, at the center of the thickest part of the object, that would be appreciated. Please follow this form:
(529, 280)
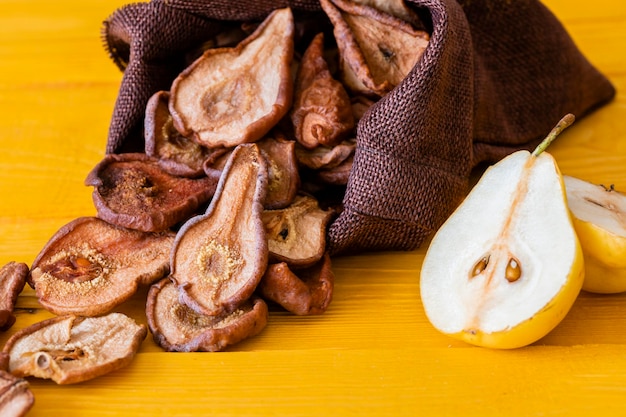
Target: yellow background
(373, 352)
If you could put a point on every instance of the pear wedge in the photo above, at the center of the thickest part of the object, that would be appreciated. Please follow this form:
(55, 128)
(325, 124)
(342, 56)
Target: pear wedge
(599, 216)
(506, 266)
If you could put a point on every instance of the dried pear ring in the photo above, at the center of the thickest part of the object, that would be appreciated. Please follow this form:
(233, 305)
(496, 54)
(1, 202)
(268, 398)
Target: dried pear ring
(132, 190)
(177, 328)
(90, 266)
(71, 349)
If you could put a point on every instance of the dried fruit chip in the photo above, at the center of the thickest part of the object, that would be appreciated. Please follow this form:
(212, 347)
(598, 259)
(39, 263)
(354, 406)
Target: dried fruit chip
(297, 234)
(215, 163)
(283, 176)
(377, 50)
(176, 327)
(16, 397)
(307, 292)
(234, 95)
(71, 349)
(89, 266)
(323, 157)
(12, 279)
(396, 8)
(338, 175)
(279, 154)
(321, 112)
(131, 190)
(4, 361)
(177, 154)
(219, 257)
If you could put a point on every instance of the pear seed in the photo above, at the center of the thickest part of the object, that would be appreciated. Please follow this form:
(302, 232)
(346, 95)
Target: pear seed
(82, 262)
(480, 266)
(513, 270)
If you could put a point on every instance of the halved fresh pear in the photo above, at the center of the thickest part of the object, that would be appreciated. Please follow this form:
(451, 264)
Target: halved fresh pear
(506, 266)
(599, 216)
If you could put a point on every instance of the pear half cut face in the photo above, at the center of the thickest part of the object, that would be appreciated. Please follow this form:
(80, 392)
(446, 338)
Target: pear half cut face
(601, 210)
(506, 266)
(599, 216)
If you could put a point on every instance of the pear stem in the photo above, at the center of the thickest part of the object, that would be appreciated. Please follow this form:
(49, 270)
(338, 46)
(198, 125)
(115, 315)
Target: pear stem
(564, 123)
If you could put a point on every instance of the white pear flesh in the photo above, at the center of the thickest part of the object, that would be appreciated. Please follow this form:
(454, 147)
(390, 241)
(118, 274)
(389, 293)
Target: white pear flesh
(515, 216)
(599, 215)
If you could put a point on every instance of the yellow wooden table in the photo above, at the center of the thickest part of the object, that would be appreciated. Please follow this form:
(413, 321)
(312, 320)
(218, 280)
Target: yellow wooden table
(373, 352)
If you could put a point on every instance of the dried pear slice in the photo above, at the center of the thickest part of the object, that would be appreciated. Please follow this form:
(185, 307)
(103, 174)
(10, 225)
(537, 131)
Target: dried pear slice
(377, 50)
(16, 398)
(297, 234)
(307, 292)
(177, 328)
(177, 154)
(323, 157)
(214, 165)
(283, 175)
(235, 95)
(338, 175)
(396, 8)
(321, 114)
(90, 266)
(132, 190)
(71, 349)
(282, 165)
(219, 258)
(12, 280)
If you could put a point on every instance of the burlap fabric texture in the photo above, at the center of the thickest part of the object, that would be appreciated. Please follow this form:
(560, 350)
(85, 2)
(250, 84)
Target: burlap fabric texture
(496, 76)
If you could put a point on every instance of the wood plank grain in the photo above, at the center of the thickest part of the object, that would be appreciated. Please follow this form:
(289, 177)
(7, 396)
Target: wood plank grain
(355, 382)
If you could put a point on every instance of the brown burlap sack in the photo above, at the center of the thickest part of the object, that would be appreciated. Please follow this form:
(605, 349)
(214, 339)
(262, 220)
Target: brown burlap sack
(496, 76)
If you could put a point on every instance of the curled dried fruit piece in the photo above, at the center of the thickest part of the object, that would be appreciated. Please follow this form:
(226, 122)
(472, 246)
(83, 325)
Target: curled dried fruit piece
(219, 257)
(396, 8)
(132, 190)
(337, 175)
(12, 279)
(176, 327)
(282, 165)
(297, 234)
(90, 266)
(177, 154)
(283, 177)
(307, 292)
(323, 157)
(71, 349)
(234, 95)
(16, 397)
(377, 50)
(321, 112)
(215, 163)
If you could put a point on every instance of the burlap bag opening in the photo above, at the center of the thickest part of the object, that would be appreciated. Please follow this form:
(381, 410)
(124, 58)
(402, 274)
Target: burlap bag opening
(496, 76)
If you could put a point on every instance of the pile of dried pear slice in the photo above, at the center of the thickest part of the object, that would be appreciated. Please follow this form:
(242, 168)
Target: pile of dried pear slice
(228, 207)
